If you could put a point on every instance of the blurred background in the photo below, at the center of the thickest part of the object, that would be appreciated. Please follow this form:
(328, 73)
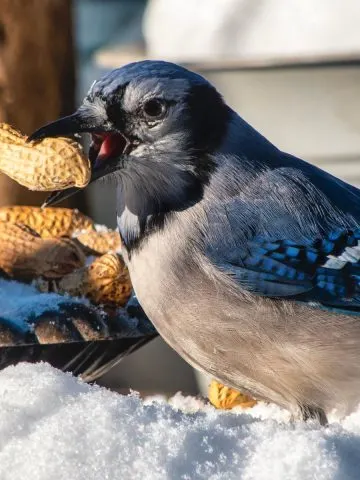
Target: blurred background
(290, 67)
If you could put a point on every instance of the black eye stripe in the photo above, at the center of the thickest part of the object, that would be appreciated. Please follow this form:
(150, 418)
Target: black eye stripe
(116, 116)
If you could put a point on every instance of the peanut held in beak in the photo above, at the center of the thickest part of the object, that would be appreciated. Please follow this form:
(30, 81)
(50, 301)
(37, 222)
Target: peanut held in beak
(47, 165)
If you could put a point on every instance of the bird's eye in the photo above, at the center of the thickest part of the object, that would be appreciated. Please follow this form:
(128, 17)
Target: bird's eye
(154, 109)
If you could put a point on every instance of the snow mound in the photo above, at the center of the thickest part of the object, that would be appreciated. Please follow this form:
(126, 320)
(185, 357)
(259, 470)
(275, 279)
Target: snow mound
(53, 426)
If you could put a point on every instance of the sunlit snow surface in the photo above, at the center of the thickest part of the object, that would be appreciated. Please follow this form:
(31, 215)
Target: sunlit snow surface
(53, 426)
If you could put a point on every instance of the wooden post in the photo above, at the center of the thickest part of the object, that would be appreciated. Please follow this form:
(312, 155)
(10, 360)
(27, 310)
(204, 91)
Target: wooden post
(36, 72)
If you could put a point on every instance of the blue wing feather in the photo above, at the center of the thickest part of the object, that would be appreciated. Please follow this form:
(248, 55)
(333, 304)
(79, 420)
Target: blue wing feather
(291, 232)
(282, 268)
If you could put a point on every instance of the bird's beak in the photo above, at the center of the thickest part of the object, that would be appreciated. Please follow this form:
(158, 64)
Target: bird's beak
(78, 122)
(107, 146)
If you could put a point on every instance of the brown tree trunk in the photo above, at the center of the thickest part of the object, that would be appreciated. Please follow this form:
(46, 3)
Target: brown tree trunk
(36, 72)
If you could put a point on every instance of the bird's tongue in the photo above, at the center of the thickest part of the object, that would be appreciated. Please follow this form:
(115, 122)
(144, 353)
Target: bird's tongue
(107, 149)
(112, 145)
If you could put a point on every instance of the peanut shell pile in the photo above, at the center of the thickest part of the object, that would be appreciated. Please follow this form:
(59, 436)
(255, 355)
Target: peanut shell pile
(50, 247)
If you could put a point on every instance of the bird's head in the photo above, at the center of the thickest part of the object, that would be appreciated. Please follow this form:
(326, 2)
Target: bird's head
(152, 117)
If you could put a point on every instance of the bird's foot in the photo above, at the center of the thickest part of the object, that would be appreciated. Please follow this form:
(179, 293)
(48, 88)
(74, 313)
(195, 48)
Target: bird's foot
(225, 398)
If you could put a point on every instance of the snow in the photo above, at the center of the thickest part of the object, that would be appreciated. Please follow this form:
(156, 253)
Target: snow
(53, 426)
(22, 303)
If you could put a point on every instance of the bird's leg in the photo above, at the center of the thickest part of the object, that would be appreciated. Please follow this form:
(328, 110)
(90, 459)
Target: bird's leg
(313, 413)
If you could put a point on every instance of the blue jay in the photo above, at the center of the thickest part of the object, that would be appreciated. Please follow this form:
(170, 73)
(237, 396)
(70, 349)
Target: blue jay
(245, 258)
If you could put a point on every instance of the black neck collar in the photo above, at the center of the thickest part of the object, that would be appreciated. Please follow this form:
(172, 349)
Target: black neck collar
(150, 192)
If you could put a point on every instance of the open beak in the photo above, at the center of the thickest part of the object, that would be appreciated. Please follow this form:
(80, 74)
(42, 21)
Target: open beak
(106, 149)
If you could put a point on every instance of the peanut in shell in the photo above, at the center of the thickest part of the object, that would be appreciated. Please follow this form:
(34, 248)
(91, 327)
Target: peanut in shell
(48, 222)
(46, 165)
(24, 255)
(99, 243)
(106, 281)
